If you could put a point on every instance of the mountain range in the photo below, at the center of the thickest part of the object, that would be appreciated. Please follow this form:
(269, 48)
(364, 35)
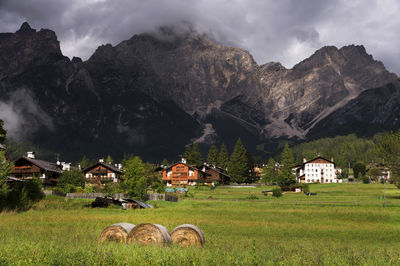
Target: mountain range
(155, 93)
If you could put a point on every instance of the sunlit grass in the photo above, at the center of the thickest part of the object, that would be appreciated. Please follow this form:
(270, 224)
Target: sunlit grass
(344, 224)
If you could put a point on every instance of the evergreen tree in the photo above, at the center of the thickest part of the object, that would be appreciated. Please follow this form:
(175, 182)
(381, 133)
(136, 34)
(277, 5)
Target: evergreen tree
(238, 167)
(193, 155)
(109, 160)
(269, 172)
(286, 176)
(165, 162)
(359, 170)
(85, 162)
(389, 147)
(223, 157)
(212, 156)
(3, 132)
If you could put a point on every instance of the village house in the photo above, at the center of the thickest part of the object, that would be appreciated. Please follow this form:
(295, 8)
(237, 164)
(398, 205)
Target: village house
(28, 167)
(214, 174)
(181, 173)
(101, 172)
(319, 170)
(384, 170)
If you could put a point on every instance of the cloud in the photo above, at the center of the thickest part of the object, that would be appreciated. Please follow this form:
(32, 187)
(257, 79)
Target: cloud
(287, 31)
(22, 116)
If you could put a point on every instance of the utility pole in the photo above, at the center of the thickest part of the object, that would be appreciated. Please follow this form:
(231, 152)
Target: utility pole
(384, 191)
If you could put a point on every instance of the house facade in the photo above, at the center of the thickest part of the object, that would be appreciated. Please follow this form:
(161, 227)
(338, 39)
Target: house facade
(102, 172)
(214, 175)
(317, 170)
(28, 167)
(182, 174)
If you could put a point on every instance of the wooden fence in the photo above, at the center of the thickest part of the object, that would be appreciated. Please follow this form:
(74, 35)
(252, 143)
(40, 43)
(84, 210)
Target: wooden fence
(162, 197)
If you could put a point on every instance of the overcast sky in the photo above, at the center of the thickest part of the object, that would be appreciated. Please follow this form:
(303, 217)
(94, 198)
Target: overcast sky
(287, 31)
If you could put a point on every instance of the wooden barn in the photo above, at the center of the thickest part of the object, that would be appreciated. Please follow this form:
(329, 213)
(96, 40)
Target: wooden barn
(182, 174)
(29, 167)
(101, 172)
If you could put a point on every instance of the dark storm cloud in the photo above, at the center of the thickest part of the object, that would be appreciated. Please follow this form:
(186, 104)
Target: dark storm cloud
(287, 30)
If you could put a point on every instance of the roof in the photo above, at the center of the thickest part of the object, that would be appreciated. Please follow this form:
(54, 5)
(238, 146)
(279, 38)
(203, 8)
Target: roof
(47, 166)
(190, 166)
(216, 170)
(106, 165)
(316, 158)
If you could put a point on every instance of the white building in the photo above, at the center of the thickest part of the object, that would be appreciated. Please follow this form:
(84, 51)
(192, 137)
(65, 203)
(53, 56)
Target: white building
(317, 170)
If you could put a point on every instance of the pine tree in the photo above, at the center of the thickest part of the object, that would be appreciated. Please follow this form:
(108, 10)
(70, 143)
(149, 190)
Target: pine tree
(286, 176)
(109, 160)
(212, 156)
(269, 172)
(85, 162)
(223, 157)
(3, 132)
(165, 162)
(238, 166)
(193, 155)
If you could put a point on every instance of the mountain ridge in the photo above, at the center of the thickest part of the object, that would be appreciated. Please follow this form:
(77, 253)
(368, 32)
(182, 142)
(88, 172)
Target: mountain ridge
(159, 93)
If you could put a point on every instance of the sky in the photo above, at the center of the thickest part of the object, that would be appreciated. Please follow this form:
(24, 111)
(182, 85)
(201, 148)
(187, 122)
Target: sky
(285, 31)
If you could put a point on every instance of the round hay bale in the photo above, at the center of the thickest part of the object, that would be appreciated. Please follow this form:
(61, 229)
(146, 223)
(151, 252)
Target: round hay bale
(116, 232)
(147, 234)
(188, 235)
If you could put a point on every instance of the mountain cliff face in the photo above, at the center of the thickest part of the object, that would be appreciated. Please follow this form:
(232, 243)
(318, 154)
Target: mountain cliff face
(154, 93)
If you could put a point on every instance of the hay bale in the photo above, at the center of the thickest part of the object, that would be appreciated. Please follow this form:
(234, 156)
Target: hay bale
(116, 232)
(188, 235)
(147, 234)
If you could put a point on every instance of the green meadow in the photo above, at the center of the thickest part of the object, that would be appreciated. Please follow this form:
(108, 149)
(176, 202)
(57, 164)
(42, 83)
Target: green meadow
(344, 224)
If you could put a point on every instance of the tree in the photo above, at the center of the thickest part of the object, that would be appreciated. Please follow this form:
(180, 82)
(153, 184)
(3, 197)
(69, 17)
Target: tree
(5, 169)
(3, 132)
(164, 162)
(269, 173)
(85, 162)
(389, 147)
(193, 155)
(223, 157)
(239, 167)
(69, 180)
(286, 176)
(212, 156)
(374, 173)
(359, 169)
(109, 160)
(134, 177)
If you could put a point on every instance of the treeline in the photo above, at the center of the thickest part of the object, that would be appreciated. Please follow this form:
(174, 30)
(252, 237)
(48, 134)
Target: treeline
(344, 150)
(238, 165)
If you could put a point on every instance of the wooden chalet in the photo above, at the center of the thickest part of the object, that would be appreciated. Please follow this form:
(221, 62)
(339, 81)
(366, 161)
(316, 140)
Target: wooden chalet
(214, 174)
(29, 167)
(182, 174)
(101, 171)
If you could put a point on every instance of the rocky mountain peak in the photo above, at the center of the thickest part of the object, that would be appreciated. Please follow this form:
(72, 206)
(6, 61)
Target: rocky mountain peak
(25, 29)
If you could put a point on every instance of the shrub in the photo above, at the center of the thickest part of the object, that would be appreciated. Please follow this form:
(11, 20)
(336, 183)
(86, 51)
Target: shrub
(69, 179)
(277, 192)
(111, 188)
(365, 180)
(23, 194)
(252, 197)
(305, 188)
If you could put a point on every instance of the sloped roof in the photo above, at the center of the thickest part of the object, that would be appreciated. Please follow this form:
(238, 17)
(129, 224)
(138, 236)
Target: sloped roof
(47, 166)
(316, 158)
(106, 165)
(190, 166)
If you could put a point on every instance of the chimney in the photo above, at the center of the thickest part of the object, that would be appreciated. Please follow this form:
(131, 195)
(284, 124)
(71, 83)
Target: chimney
(30, 154)
(119, 166)
(101, 160)
(183, 160)
(304, 160)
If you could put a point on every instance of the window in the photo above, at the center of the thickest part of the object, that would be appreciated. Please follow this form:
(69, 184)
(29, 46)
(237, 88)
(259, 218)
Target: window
(308, 180)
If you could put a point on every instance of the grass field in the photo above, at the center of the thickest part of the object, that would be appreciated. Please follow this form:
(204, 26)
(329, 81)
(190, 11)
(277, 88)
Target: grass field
(345, 224)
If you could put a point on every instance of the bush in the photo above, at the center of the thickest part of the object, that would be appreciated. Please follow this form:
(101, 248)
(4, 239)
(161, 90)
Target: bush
(71, 179)
(89, 189)
(111, 188)
(365, 180)
(305, 188)
(23, 194)
(252, 197)
(277, 192)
